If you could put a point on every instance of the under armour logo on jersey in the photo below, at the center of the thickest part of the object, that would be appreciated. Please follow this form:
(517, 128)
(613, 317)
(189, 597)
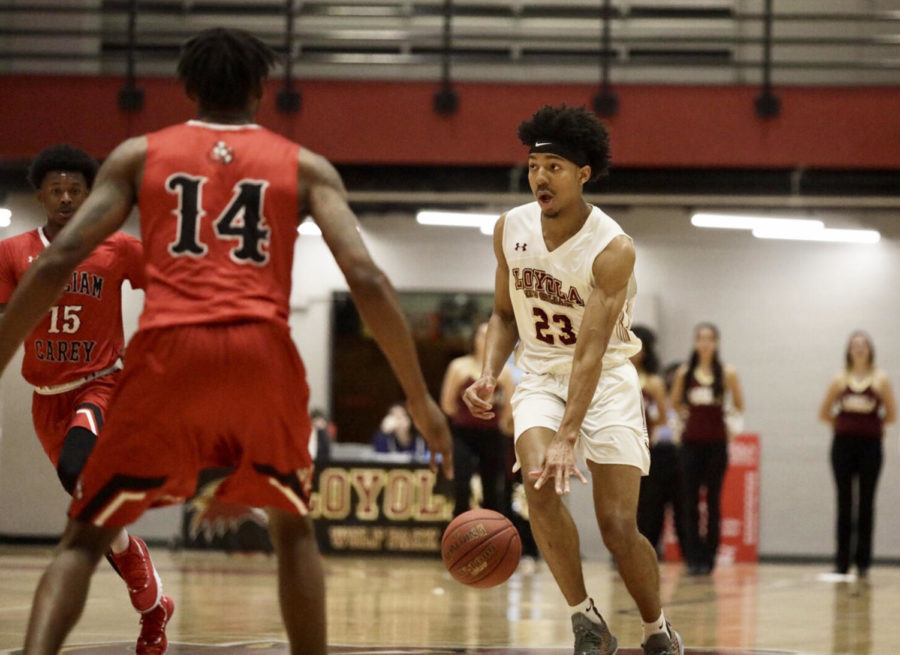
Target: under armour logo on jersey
(222, 153)
(30, 259)
(522, 246)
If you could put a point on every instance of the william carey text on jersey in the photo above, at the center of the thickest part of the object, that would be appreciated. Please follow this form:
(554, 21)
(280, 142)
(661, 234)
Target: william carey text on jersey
(88, 284)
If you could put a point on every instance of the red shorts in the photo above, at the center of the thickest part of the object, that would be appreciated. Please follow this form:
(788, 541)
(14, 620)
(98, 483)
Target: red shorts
(200, 396)
(54, 415)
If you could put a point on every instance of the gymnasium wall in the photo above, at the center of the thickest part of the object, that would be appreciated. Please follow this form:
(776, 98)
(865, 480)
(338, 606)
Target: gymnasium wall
(785, 310)
(390, 122)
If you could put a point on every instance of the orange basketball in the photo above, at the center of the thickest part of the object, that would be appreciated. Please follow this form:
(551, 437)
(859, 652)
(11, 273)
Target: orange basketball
(481, 548)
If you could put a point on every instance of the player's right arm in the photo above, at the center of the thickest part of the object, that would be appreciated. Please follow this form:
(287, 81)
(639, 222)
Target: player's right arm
(826, 410)
(7, 276)
(323, 195)
(102, 213)
(502, 335)
(450, 387)
(677, 393)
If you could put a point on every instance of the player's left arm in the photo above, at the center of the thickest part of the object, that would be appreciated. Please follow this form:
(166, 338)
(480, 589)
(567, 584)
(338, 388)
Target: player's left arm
(733, 384)
(133, 259)
(657, 390)
(612, 270)
(506, 384)
(102, 213)
(887, 397)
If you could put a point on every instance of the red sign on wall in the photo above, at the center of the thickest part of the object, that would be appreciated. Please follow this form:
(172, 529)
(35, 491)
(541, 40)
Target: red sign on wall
(739, 539)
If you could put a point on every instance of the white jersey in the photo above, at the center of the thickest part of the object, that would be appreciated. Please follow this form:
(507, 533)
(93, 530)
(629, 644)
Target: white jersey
(549, 291)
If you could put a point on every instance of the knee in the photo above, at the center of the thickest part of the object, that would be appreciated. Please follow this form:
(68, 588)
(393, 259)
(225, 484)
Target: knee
(286, 528)
(68, 475)
(541, 501)
(619, 534)
(78, 444)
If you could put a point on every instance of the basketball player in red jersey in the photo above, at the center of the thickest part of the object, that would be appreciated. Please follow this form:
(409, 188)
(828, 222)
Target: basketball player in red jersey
(212, 377)
(564, 289)
(72, 357)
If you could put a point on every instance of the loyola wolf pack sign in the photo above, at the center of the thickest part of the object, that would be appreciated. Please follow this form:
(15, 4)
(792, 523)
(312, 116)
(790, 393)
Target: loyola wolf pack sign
(401, 508)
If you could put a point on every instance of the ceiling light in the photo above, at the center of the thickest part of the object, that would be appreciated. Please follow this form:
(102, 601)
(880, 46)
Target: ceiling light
(737, 222)
(825, 234)
(457, 219)
(309, 228)
(488, 226)
(5, 217)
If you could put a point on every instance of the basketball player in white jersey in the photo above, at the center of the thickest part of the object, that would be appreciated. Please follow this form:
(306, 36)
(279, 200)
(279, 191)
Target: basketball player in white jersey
(563, 290)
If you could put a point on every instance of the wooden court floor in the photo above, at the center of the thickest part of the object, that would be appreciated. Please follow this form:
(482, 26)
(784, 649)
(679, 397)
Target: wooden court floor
(396, 606)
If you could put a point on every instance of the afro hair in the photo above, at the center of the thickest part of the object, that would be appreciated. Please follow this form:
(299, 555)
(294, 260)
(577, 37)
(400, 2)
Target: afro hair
(221, 68)
(62, 157)
(573, 127)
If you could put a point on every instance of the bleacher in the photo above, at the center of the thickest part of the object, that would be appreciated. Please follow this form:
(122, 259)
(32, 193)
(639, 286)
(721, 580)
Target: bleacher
(651, 41)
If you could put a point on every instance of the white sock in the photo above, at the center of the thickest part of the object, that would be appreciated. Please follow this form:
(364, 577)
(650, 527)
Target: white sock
(587, 608)
(120, 543)
(655, 627)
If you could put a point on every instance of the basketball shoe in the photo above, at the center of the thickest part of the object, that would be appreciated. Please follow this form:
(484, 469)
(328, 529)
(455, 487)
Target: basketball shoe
(592, 638)
(664, 644)
(153, 639)
(136, 568)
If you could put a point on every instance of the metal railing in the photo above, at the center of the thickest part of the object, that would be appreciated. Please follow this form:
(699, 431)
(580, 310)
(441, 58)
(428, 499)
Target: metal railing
(672, 41)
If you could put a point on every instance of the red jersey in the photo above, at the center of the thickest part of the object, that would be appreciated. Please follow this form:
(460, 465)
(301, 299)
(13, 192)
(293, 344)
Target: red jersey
(219, 215)
(82, 333)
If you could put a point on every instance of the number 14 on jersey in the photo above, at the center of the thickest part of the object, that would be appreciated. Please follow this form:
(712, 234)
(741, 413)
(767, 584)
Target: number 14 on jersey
(242, 219)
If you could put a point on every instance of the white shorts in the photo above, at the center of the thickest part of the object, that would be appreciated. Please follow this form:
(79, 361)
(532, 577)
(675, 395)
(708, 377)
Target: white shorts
(613, 430)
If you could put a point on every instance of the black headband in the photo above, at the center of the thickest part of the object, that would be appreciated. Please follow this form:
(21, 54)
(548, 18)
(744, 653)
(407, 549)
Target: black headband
(574, 154)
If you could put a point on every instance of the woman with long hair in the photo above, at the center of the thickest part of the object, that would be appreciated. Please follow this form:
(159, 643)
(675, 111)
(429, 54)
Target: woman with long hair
(661, 488)
(479, 445)
(700, 394)
(857, 405)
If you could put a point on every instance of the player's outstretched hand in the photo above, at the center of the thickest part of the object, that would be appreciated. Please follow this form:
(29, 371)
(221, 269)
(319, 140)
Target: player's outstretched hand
(479, 396)
(559, 463)
(431, 422)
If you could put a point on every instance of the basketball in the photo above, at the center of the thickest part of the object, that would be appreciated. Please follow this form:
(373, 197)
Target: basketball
(481, 548)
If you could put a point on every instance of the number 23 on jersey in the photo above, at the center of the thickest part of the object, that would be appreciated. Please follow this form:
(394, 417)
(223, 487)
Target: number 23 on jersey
(561, 328)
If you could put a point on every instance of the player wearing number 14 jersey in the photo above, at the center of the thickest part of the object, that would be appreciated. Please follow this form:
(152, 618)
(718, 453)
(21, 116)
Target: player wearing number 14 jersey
(213, 378)
(72, 357)
(564, 289)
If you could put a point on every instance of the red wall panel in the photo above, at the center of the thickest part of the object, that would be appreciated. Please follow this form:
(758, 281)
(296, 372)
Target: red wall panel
(392, 122)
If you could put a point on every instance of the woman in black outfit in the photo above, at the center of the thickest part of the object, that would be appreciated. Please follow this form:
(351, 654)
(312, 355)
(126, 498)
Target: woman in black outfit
(858, 404)
(699, 396)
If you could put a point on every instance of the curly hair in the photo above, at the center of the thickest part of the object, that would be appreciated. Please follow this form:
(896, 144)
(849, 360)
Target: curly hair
(62, 157)
(574, 127)
(221, 68)
(648, 345)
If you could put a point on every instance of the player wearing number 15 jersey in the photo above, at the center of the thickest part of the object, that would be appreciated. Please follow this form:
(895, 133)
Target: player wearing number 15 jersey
(564, 289)
(212, 376)
(72, 357)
